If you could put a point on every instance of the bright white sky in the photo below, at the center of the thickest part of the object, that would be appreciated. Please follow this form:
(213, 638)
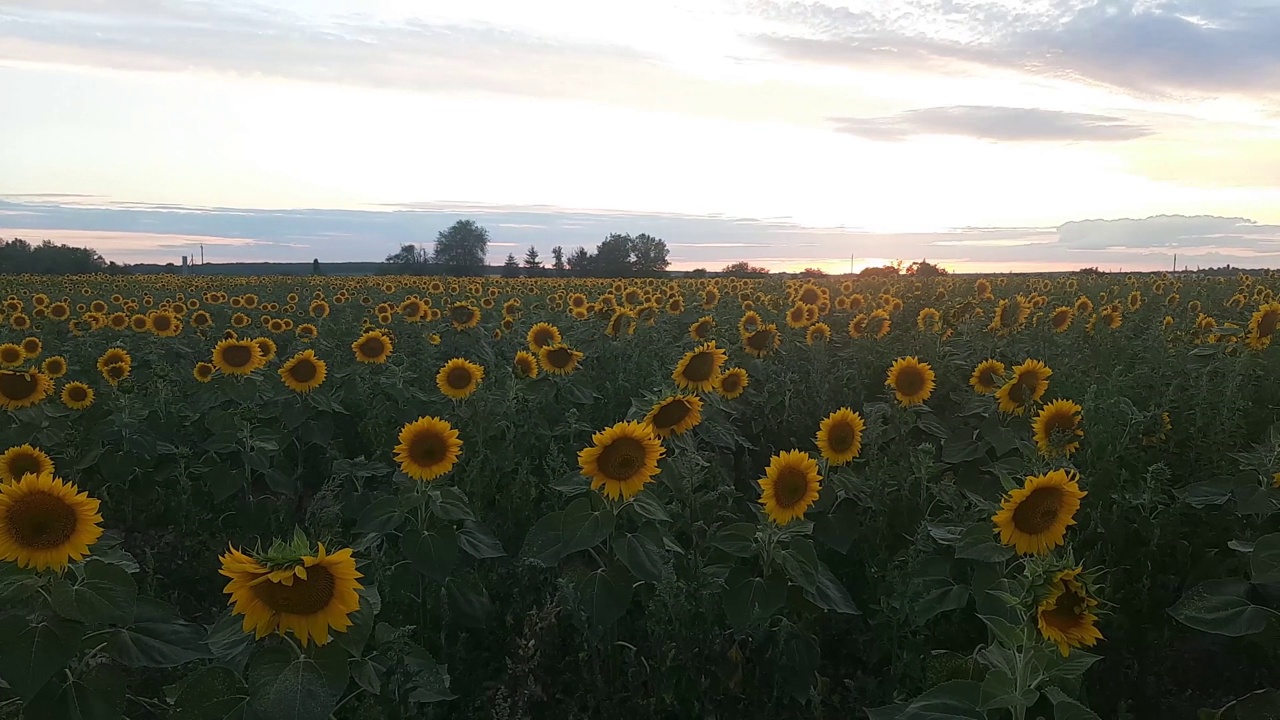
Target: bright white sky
(658, 106)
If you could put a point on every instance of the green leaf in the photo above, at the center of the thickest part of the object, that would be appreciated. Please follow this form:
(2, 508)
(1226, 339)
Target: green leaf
(381, 516)
(229, 643)
(476, 540)
(886, 712)
(938, 601)
(430, 679)
(1264, 563)
(829, 593)
(1009, 635)
(31, 654)
(468, 602)
(800, 562)
(583, 524)
(366, 675)
(748, 599)
(978, 543)
(283, 686)
(214, 693)
(641, 556)
(1064, 708)
(604, 596)
(97, 695)
(738, 539)
(1221, 607)
(16, 583)
(649, 506)
(105, 595)
(433, 553)
(800, 656)
(573, 483)
(362, 621)
(953, 700)
(576, 393)
(449, 503)
(999, 691)
(1213, 492)
(838, 528)
(1071, 667)
(157, 644)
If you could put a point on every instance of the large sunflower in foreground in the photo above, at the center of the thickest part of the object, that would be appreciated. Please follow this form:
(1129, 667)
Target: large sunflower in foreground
(237, 357)
(22, 460)
(1029, 382)
(840, 436)
(541, 335)
(1065, 613)
(77, 396)
(987, 377)
(1262, 325)
(698, 369)
(1061, 319)
(559, 359)
(1056, 429)
(46, 522)
(621, 459)
(790, 485)
(304, 372)
(459, 378)
(912, 381)
(1033, 519)
(731, 383)
(306, 594)
(19, 389)
(373, 347)
(428, 448)
(674, 415)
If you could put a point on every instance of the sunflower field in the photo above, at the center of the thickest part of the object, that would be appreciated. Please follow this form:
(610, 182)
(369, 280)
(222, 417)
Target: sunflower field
(284, 498)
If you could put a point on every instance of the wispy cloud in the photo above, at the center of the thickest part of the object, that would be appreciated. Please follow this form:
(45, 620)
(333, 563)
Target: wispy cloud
(1012, 124)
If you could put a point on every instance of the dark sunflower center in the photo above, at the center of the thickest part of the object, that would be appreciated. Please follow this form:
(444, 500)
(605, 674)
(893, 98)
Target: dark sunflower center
(809, 296)
(461, 315)
(1061, 422)
(116, 372)
(790, 487)
(524, 365)
(1038, 511)
(161, 323)
(17, 386)
(671, 414)
(1267, 324)
(22, 464)
(427, 448)
(204, 371)
(140, 323)
(303, 371)
(458, 378)
(620, 459)
(731, 383)
(76, 394)
(1067, 613)
(702, 330)
(372, 347)
(560, 358)
(41, 521)
(760, 340)
(58, 311)
(55, 366)
(840, 436)
(30, 348)
(797, 313)
(909, 381)
(237, 356)
(700, 367)
(987, 378)
(10, 355)
(303, 597)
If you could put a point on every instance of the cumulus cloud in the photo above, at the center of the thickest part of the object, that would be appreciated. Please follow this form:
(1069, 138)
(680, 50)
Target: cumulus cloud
(994, 123)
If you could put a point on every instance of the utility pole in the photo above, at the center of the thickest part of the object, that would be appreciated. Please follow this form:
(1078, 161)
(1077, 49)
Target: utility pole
(1175, 262)
(851, 259)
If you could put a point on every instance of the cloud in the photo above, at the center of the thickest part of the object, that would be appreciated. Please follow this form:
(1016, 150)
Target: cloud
(1172, 233)
(994, 123)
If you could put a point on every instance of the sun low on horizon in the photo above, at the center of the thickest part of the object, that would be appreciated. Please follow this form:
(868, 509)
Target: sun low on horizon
(983, 135)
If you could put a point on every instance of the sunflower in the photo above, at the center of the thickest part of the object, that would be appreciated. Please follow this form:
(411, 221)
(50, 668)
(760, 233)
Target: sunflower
(878, 324)
(621, 459)
(203, 371)
(559, 359)
(164, 323)
(1061, 319)
(237, 357)
(731, 383)
(1030, 381)
(797, 316)
(77, 396)
(46, 522)
(698, 369)
(541, 335)
(840, 436)
(428, 448)
(31, 346)
(1034, 518)
(373, 347)
(307, 331)
(21, 460)
(11, 355)
(113, 374)
(306, 594)
(1056, 430)
(303, 372)
(1064, 614)
(929, 320)
(701, 329)
(674, 415)
(19, 389)
(749, 322)
(790, 485)
(459, 378)
(1262, 325)
(818, 333)
(266, 348)
(55, 366)
(763, 341)
(912, 381)
(526, 364)
(987, 377)
(464, 316)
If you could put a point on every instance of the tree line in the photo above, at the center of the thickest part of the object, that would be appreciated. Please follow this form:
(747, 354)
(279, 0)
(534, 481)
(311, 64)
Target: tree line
(18, 256)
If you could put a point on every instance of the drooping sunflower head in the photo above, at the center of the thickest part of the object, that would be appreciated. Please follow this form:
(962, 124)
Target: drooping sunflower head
(911, 380)
(266, 348)
(31, 347)
(459, 378)
(1061, 319)
(1029, 382)
(1057, 430)
(1065, 615)
(428, 448)
(114, 356)
(621, 322)
(1263, 324)
(559, 359)
(840, 436)
(701, 328)
(987, 377)
(373, 347)
(237, 357)
(464, 315)
(541, 335)
(304, 372)
(46, 522)
(790, 485)
(929, 320)
(749, 322)
(763, 341)
(19, 389)
(77, 396)
(526, 364)
(293, 590)
(731, 383)
(818, 333)
(1033, 519)
(11, 355)
(23, 460)
(878, 324)
(699, 367)
(621, 459)
(113, 374)
(674, 415)
(797, 316)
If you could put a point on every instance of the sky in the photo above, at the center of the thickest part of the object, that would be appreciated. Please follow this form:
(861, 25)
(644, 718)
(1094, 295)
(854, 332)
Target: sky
(983, 135)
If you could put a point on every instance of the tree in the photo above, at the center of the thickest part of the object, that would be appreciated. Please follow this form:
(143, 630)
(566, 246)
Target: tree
(531, 261)
(580, 261)
(409, 254)
(511, 268)
(814, 272)
(882, 271)
(20, 256)
(613, 256)
(650, 255)
(742, 267)
(315, 267)
(557, 253)
(924, 268)
(462, 248)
